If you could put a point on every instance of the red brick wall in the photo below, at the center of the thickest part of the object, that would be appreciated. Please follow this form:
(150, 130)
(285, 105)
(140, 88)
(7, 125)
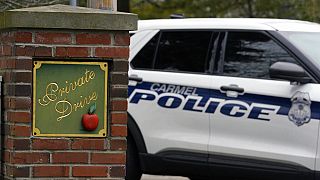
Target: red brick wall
(25, 156)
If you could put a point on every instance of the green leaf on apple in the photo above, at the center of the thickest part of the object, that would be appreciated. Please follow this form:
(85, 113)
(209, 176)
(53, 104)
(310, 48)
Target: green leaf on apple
(92, 108)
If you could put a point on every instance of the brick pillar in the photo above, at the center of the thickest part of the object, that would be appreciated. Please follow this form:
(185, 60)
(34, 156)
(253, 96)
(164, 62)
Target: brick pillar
(62, 32)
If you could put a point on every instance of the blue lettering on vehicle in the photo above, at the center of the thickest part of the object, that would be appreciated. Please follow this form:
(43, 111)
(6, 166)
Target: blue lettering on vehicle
(171, 102)
(142, 96)
(257, 111)
(190, 104)
(252, 106)
(234, 110)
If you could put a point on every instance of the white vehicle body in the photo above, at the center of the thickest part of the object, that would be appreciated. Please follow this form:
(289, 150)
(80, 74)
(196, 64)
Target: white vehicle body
(221, 120)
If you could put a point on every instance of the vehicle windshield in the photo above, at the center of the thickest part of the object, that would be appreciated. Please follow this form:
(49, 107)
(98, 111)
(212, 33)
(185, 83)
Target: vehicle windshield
(306, 42)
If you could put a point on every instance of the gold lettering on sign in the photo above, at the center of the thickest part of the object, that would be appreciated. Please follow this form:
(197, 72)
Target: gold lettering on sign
(64, 107)
(72, 86)
(85, 101)
(50, 96)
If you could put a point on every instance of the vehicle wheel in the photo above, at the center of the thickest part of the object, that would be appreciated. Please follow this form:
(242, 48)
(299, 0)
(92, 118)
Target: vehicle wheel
(133, 170)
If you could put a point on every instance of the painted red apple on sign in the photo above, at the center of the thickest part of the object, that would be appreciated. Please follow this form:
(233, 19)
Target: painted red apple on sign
(90, 121)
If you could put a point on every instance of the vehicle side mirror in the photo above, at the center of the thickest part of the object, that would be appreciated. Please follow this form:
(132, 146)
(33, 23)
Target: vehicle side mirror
(289, 71)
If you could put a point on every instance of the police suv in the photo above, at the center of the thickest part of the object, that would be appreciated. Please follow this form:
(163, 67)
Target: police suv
(225, 98)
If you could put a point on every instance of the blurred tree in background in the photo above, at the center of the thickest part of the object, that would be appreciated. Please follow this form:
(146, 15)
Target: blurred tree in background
(151, 9)
(293, 9)
(123, 5)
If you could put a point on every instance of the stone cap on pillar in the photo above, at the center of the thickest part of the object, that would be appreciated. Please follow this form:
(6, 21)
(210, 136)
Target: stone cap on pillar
(67, 17)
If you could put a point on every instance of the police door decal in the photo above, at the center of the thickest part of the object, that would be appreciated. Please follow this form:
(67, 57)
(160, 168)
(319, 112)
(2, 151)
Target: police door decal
(300, 111)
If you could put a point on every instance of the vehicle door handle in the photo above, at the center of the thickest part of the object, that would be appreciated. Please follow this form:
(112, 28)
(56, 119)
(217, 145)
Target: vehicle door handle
(135, 78)
(232, 87)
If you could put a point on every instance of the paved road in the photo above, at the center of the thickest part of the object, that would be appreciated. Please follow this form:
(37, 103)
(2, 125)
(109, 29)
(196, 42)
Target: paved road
(150, 177)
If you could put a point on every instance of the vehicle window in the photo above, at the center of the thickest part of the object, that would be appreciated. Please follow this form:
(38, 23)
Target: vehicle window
(305, 42)
(184, 51)
(144, 59)
(250, 54)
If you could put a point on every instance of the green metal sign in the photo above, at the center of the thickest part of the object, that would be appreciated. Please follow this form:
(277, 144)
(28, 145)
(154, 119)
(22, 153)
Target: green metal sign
(70, 99)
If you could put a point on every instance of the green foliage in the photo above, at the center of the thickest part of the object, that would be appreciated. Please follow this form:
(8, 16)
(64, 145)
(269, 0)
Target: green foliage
(293, 9)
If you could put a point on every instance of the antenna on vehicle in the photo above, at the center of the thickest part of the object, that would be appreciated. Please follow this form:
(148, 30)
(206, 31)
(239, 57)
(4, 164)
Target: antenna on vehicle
(176, 16)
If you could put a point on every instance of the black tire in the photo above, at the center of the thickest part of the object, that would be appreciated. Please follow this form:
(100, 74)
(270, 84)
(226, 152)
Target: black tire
(133, 170)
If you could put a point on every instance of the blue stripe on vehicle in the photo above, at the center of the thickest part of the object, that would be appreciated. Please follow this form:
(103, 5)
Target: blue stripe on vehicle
(283, 103)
